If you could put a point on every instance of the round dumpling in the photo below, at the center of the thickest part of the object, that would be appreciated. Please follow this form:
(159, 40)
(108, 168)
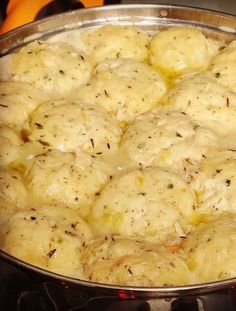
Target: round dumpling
(223, 67)
(169, 139)
(74, 180)
(17, 101)
(51, 237)
(215, 182)
(13, 194)
(211, 249)
(51, 67)
(152, 202)
(206, 101)
(178, 50)
(110, 41)
(67, 125)
(134, 263)
(126, 88)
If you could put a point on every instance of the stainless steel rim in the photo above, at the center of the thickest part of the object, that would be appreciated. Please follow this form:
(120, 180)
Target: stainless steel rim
(139, 14)
(151, 292)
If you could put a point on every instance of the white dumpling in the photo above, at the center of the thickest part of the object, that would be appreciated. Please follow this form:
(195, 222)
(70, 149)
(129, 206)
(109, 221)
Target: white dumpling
(10, 145)
(134, 263)
(181, 49)
(55, 68)
(74, 180)
(67, 125)
(223, 67)
(17, 101)
(215, 182)
(125, 88)
(51, 237)
(205, 100)
(169, 139)
(13, 194)
(211, 249)
(111, 41)
(152, 202)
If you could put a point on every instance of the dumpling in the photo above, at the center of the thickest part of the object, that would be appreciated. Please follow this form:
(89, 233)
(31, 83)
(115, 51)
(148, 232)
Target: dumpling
(215, 182)
(118, 261)
(68, 125)
(72, 180)
(211, 249)
(205, 100)
(51, 237)
(17, 101)
(124, 87)
(55, 68)
(10, 146)
(223, 67)
(152, 202)
(181, 49)
(13, 194)
(112, 41)
(169, 139)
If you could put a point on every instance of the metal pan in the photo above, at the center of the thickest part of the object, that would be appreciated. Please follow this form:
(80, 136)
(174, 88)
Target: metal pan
(58, 288)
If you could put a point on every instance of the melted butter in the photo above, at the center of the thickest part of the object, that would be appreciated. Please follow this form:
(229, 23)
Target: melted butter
(19, 166)
(26, 154)
(191, 263)
(197, 219)
(119, 163)
(169, 76)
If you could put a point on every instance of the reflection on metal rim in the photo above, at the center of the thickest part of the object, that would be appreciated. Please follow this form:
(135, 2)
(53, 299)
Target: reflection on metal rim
(150, 292)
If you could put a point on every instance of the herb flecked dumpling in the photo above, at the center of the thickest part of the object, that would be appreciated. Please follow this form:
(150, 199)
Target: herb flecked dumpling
(125, 88)
(178, 50)
(151, 202)
(72, 180)
(54, 68)
(51, 237)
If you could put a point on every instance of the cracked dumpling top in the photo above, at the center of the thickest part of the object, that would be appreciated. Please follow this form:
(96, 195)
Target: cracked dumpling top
(71, 179)
(124, 87)
(152, 202)
(68, 125)
(113, 41)
(223, 67)
(211, 249)
(170, 139)
(17, 101)
(205, 100)
(55, 68)
(114, 260)
(51, 237)
(181, 49)
(215, 182)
